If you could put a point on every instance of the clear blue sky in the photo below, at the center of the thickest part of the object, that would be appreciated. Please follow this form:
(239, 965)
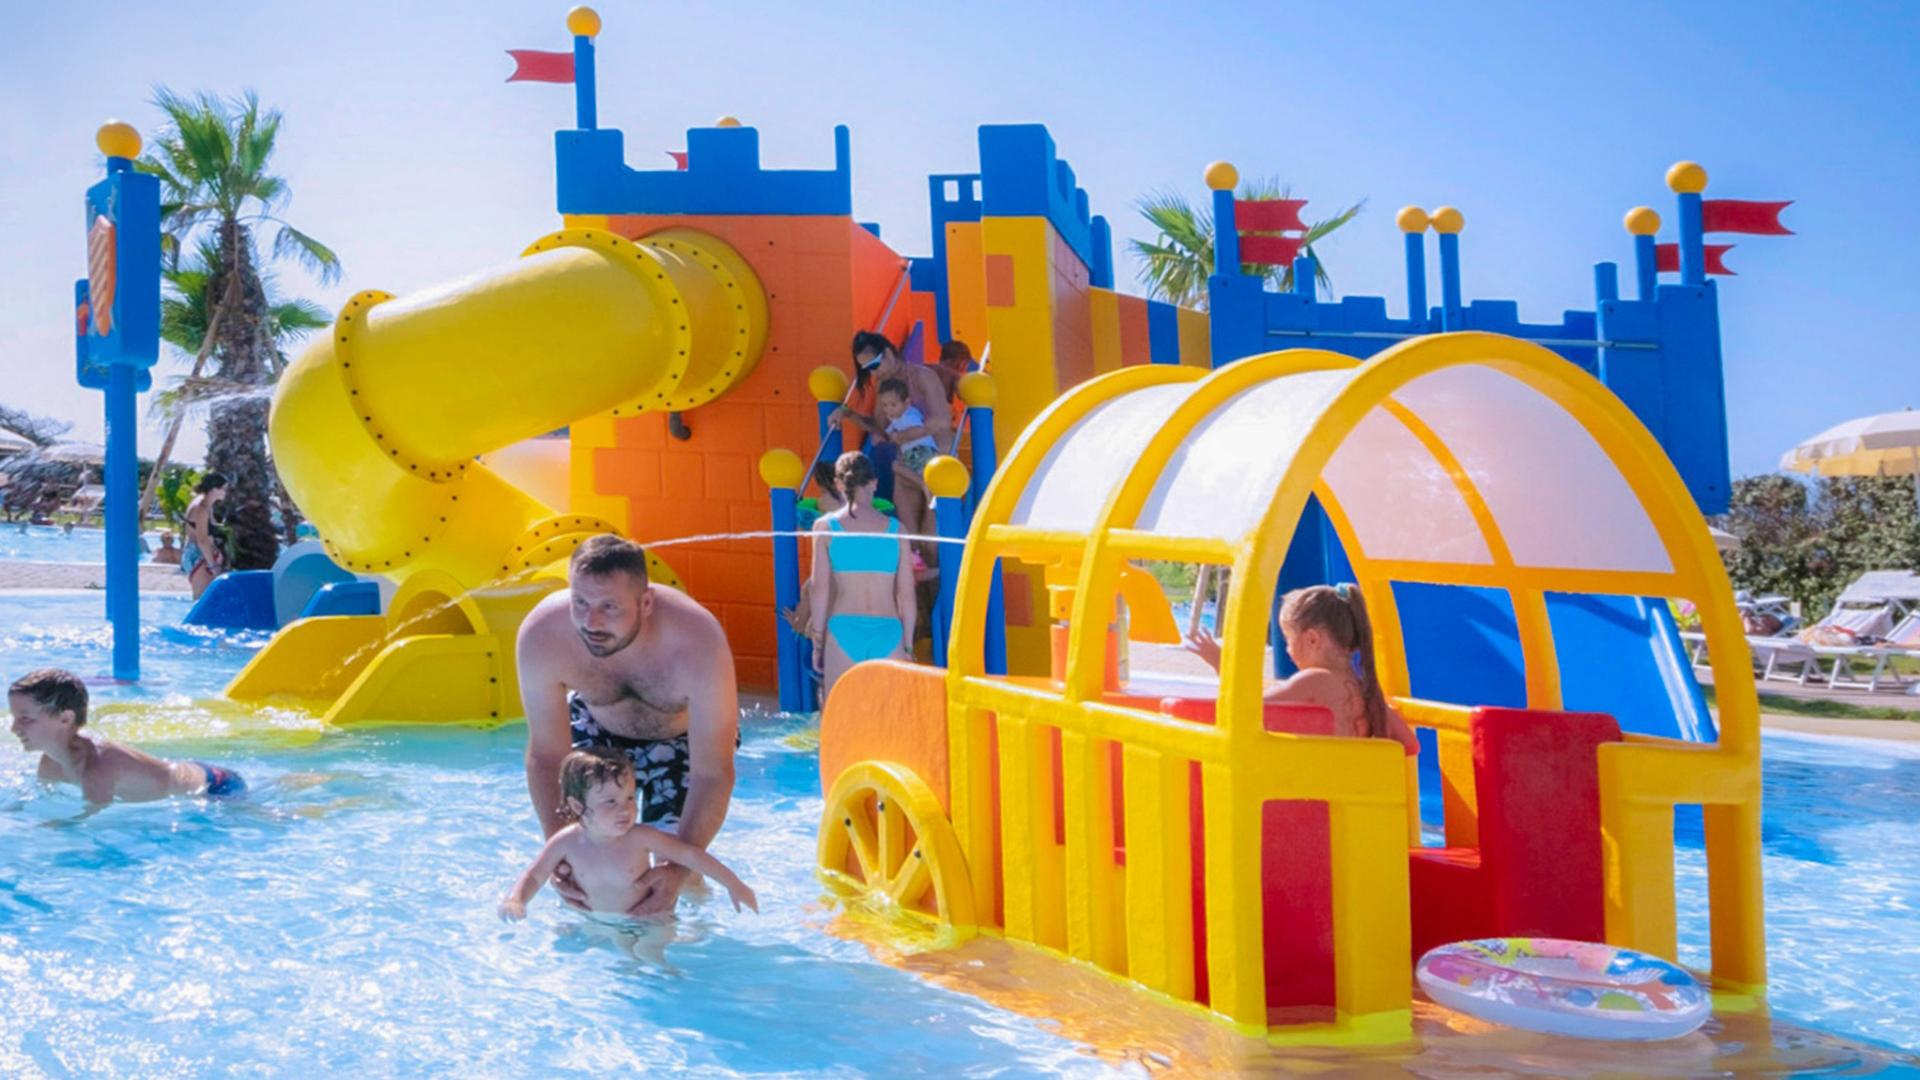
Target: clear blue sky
(410, 156)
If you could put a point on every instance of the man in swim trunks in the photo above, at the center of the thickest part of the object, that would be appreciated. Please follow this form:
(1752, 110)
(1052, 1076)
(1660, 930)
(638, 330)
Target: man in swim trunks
(49, 710)
(617, 661)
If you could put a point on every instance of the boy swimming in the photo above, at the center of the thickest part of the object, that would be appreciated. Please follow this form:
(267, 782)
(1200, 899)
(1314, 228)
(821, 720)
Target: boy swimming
(605, 846)
(49, 708)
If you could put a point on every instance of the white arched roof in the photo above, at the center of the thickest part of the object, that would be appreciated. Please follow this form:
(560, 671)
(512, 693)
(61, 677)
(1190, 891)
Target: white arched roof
(1448, 467)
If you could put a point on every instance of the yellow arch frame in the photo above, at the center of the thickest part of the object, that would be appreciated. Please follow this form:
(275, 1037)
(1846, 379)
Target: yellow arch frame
(1071, 897)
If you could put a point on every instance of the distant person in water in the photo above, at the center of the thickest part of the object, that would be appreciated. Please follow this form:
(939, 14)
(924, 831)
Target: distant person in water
(607, 848)
(169, 553)
(622, 663)
(202, 560)
(49, 710)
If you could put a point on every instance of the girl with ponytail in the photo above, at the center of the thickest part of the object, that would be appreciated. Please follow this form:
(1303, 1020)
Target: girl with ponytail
(1330, 640)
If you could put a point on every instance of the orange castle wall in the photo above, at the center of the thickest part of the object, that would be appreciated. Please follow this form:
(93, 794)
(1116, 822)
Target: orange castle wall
(824, 278)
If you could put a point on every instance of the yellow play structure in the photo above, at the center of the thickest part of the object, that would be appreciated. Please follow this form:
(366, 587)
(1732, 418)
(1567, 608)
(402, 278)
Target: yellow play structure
(375, 431)
(1108, 822)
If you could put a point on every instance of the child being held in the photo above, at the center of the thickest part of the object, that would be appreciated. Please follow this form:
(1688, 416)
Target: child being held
(906, 426)
(605, 847)
(50, 707)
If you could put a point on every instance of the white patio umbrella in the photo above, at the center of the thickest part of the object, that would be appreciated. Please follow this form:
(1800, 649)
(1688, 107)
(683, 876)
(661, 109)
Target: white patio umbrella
(1723, 541)
(11, 443)
(1883, 445)
(81, 453)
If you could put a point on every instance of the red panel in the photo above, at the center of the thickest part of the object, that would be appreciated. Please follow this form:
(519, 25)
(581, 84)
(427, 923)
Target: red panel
(1269, 215)
(1538, 778)
(1270, 250)
(1296, 874)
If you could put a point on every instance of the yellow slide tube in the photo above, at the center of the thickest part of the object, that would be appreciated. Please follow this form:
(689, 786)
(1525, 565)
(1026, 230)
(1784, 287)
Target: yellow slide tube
(375, 431)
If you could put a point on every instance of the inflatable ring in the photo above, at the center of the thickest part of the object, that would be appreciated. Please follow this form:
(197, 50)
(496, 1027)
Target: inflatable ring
(1560, 987)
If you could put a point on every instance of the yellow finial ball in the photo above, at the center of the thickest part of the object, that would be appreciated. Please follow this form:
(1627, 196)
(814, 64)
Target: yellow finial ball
(117, 138)
(946, 477)
(978, 390)
(782, 469)
(1411, 219)
(727, 121)
(583, 21)
(1687, 178)
(1642, 221)
(1222, 176)
(1447, 220)
(827, 384)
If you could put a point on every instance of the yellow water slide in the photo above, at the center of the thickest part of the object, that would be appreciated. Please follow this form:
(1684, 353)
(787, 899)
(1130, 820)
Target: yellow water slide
(375, 432)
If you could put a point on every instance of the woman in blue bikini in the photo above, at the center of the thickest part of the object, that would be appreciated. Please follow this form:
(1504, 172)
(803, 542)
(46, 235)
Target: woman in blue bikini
(862, 590)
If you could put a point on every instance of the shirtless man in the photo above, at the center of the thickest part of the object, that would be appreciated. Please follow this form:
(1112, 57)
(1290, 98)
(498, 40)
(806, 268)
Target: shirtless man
(618, 662)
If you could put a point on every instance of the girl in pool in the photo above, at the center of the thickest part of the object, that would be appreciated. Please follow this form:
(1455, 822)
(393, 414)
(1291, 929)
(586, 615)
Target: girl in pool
(861, 602)
(605, 847)
(201, 559)
(1330, 640)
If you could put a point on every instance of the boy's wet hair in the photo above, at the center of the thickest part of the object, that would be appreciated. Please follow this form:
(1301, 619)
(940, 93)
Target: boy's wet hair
(896, 387)
(584, 769)
(607, 554)
(55, 690)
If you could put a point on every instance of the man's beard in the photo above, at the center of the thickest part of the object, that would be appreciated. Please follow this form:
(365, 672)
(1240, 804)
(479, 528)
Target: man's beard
(607, 647)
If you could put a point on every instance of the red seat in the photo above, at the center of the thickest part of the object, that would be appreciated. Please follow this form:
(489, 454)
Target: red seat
(1296, 873)
(1538, 870)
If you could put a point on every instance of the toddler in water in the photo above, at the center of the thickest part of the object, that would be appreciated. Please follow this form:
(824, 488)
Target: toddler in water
(50, 707)
(605, 847)
(906, 426)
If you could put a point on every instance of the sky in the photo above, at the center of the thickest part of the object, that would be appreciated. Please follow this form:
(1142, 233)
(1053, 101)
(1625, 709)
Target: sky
(408, 153)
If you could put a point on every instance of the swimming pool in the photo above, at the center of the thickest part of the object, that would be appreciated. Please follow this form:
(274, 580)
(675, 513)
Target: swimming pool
(341, 919)
(50, 543)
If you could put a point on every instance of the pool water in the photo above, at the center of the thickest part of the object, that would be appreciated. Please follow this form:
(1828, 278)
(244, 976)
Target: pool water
(50, 543)
(341, 919)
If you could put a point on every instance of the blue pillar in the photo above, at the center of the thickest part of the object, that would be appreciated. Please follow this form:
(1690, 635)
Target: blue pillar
(1693, 241)
(116, 346)
(793, 649)
(585, 111)
(1606, 282)
(1450, 281)
(1646, 267)
(1304, 269)
(950, 521)
(123, 526)
(1226, 236)
(985, 460)
(1416, 246)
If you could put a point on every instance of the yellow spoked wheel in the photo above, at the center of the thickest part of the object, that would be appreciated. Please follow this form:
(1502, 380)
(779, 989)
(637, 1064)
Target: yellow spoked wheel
(885, 835)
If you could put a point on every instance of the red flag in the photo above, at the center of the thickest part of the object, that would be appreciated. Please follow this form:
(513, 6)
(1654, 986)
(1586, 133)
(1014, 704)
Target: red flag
(1666, 259)
(679, 159)
(532, 65)
(1270, 250)
(1269, 215)
(1742, 216)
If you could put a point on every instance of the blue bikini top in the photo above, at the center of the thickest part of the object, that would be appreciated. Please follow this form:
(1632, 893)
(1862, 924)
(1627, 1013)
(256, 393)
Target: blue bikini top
(863, 553)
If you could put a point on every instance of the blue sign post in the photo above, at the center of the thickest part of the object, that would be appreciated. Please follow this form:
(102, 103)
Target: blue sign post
(117, 322)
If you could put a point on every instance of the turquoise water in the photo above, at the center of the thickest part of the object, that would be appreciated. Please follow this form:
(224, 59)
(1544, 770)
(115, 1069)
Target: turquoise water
(48, 543)
(340, 920)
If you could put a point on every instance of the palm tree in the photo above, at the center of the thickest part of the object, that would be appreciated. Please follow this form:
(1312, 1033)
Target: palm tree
(186, 316)
(1179, 261)
(213, 161)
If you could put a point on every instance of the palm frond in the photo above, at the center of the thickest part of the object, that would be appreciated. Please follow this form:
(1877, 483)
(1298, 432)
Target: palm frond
(308, 252)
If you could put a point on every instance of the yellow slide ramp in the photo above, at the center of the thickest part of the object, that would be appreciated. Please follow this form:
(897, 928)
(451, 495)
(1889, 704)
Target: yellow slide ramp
(375, 431)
